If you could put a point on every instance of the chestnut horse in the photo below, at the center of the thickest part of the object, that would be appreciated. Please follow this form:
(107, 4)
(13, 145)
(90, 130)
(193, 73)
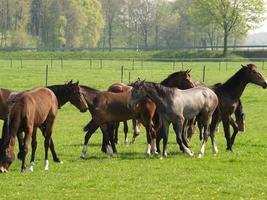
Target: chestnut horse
(34, 108)
(116, 88)
(229, 94)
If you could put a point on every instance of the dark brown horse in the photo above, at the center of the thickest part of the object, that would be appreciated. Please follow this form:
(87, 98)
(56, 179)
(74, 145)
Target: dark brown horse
(117, 88)
(229, 94)
(35, 108)
(107, 108)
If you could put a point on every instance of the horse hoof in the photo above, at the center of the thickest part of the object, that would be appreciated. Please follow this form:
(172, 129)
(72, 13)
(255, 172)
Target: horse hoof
(229, 149)
(57, 160)
(3, 170)
(200, 155)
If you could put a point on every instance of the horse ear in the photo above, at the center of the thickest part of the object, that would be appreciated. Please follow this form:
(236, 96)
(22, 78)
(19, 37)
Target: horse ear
(77, 83)
(243, 66)
(70, 82)
(188, 71)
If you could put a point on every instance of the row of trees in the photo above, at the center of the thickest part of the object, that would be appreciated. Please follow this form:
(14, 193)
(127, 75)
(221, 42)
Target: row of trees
(127, 23)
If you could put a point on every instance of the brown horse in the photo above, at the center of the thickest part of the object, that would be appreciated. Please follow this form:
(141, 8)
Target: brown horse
(35, 108)
(117, 88)
(229, 94)
(107, 108)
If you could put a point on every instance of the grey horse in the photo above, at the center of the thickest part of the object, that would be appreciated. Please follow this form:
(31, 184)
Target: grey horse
(175, 106)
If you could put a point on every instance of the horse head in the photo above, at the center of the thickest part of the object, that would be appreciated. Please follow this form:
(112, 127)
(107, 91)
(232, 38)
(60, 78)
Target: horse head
(76, 96)
(180, 79)
(252, 74)
(137, 93)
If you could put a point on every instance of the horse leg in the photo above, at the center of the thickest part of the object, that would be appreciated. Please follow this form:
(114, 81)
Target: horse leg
(125, 129)
(226, 123)
(184, 133)
(34, 146)
(48, 133)
(20, 142)
(52, 147)
(136, 130)
(205, 121)
(235, 127)
(148, 139)
(92, 126)
(178, 126)
(191, 129)
(165, 133)
(159, 136)
(116, 129)
(27, 138)
(110, 132)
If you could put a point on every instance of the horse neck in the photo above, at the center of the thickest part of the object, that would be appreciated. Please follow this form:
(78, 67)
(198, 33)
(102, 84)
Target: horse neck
(157, 93)
(235, 86)
(89, 94)
(178, 84)
(61, 93)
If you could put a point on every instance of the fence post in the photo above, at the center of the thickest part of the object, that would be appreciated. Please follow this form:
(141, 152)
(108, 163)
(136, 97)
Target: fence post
(133, 64)
(20, 62)
(46, 75)
(182, 65)
(219, 66)
(51, 62)
(142, 64)
(61, 63)
(122, 74)
(204, 73)
(129, 81)
(226, 65)
(11, 63)
(91, 63)
(173, 65)
(101, 64)
(263, 65)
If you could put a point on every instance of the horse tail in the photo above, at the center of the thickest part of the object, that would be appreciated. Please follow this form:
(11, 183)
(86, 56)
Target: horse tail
(86, 127)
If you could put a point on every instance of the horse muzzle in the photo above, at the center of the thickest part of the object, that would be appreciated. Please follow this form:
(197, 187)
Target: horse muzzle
(264, 85)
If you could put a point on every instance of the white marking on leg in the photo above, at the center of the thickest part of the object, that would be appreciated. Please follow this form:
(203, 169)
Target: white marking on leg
(148, 150)
(189, 152)
(202, 150)
(46, 165)
(109, 150)
(153, 146)
(84, 150)
(31, 166)
(126, 141)
(214, 148)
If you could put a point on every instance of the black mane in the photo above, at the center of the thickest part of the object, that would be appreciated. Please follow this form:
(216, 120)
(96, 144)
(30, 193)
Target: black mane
(171, 76)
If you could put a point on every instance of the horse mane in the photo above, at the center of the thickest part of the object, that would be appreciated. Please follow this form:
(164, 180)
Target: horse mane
(89, 88)
(171, 76)
(160, 89)
(233, 80)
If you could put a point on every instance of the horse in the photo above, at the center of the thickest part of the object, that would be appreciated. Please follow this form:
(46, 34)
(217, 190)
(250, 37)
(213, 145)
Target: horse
(61, 91)
(229, 94)
(116, 88)
(34, 108)
(175, 106)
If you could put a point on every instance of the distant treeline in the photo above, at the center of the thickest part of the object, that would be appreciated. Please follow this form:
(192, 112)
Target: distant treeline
(127, 23)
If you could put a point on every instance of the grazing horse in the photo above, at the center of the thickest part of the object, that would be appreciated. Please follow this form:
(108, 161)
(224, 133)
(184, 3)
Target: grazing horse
(116, 88)
(175, 106)
(34, 108)
(107, 108)
(229, 94)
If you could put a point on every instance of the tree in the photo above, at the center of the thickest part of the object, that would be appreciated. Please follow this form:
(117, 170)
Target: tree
(228, 14)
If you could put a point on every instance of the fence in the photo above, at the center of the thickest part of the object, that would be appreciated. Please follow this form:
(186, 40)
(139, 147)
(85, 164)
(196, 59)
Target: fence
(119, 70)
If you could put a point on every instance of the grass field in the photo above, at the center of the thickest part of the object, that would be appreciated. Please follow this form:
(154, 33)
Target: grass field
(240, 174)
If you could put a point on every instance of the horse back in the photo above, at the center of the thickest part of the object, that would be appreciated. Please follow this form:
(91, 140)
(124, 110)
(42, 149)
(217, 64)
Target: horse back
(35, 106)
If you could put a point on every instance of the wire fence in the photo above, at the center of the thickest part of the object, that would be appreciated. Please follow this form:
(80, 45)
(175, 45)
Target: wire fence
(118, 70)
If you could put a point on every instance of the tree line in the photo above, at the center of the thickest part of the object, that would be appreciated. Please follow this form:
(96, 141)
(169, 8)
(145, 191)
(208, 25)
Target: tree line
(140, 24)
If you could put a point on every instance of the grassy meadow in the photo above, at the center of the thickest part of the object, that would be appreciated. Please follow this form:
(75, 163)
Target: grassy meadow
(241, 174)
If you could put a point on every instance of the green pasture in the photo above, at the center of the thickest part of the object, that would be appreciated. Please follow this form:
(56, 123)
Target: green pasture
(241, 174)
